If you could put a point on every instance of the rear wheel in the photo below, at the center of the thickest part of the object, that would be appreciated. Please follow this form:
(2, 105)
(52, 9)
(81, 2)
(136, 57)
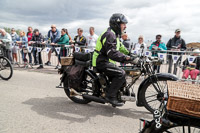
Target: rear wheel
(153, 93)
(6, 70)
(86, 89)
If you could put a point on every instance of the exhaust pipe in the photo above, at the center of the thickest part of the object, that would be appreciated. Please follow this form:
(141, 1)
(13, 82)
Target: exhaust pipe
(128, 98)
(94, 98)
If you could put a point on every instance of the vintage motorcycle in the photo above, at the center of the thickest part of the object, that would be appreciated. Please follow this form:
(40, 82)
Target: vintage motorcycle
(150, 91)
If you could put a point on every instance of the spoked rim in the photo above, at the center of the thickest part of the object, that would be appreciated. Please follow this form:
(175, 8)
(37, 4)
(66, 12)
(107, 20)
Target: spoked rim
(182, 129)
(5, 68)
(155, 93)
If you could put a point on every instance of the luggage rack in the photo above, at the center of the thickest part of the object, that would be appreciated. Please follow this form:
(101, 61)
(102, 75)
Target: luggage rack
(181, 115)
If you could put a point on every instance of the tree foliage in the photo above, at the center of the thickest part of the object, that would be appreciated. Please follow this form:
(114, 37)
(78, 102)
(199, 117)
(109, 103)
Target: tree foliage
(7, 29)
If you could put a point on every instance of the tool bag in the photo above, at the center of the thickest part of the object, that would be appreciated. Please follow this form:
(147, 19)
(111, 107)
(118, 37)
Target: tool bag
(75, 76)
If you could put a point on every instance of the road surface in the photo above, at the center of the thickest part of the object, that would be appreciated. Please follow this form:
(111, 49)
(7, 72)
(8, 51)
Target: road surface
(30, 103)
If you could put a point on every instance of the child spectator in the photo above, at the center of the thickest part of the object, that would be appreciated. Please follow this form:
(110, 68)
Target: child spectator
(14, 37)
(192, 69)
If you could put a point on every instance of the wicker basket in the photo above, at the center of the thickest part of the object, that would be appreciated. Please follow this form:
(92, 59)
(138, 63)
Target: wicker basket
(184, 98)
(67, 61)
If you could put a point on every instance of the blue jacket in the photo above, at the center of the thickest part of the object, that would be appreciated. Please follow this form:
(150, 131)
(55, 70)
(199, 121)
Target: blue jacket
(54, 36)
(162, 46)
(24, 40)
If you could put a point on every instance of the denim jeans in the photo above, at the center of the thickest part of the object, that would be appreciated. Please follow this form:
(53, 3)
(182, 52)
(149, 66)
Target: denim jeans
(35, 55)
(30, 57)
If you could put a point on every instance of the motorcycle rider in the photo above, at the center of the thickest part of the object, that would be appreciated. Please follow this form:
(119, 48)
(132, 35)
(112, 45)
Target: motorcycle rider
(108, 50)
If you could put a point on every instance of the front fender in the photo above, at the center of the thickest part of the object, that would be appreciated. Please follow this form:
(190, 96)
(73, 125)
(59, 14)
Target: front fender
(167, 76)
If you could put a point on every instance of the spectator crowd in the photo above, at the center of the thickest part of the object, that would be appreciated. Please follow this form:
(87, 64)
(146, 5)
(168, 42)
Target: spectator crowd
(31, 44)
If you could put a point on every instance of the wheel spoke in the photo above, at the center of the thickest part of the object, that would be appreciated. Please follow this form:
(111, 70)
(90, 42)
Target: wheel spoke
(152, 100)
(151, 96)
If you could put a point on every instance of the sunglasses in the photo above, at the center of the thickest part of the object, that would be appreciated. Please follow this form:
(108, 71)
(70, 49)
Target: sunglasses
(158, 38)
(53, 27)
(140, 38)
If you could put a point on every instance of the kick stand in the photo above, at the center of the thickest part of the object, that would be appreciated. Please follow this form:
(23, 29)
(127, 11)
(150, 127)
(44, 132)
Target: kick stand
(60, 85)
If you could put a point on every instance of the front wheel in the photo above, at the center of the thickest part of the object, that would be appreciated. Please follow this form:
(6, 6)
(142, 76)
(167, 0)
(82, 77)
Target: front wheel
(153, 92)
(6, 70)
(77, 98)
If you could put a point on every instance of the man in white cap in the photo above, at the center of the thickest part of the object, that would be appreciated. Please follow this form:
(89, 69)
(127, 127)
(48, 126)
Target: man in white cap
(175, 44)
(6, 40)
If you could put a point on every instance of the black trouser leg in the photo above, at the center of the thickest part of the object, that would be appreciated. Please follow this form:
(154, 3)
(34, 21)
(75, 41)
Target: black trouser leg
(176, 65)
(170, 61)
(116, 74)
(30, 58)
(35, 56)
(40, 58)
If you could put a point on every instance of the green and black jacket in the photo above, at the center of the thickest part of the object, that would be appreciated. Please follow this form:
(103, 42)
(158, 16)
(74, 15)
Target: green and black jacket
(109, 49)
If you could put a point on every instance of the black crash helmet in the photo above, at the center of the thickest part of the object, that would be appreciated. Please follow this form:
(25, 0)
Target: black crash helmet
(115, 21)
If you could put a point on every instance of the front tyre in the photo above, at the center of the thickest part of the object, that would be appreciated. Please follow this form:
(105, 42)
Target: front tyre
(6, 70)
(153, 92)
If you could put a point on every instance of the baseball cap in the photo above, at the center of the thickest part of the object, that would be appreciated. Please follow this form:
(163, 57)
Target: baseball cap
(177, 30)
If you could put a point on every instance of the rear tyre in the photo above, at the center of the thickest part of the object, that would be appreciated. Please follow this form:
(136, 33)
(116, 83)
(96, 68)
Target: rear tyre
(79, 99)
